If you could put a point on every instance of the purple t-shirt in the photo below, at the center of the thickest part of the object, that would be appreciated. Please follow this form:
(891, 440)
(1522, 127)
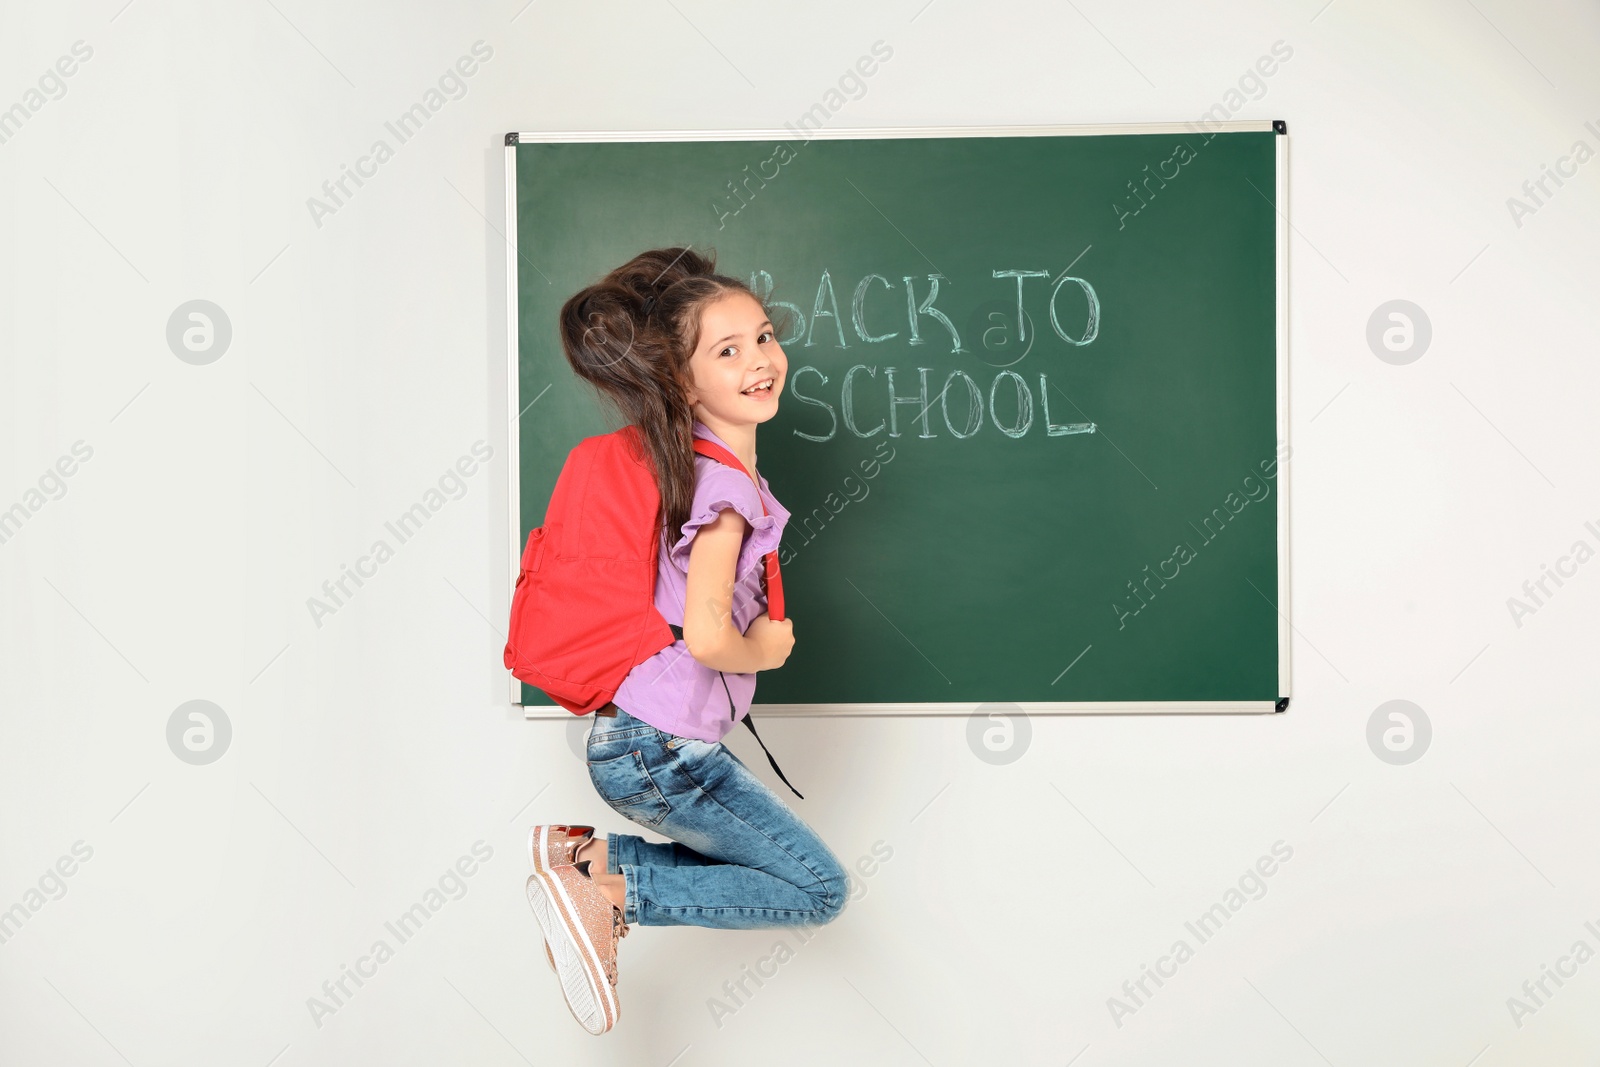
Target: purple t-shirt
(672, 690)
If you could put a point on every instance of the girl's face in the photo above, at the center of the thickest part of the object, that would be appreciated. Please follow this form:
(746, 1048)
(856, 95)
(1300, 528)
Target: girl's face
(738, 349)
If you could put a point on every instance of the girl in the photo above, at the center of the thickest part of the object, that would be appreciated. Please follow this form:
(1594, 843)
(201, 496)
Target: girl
(683, 352)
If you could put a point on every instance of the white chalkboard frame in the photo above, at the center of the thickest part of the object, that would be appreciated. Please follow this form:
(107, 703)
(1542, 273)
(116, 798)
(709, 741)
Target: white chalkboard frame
(1285, 627)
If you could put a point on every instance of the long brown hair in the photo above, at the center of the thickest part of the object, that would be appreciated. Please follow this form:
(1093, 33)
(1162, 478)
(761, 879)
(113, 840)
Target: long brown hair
(630, 335)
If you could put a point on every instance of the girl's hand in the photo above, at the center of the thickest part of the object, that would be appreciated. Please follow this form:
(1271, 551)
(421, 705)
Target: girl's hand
(775, 639)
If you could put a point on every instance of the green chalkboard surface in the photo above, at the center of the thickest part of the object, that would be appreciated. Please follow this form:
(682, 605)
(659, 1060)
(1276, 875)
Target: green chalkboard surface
(1034, 437)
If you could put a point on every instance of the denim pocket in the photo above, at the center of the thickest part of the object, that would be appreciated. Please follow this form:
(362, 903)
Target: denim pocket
(603, 735)
(691, 746)
(625, 783)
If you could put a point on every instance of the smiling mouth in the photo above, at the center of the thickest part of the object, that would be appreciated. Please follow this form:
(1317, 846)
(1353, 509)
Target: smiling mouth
(763, 391)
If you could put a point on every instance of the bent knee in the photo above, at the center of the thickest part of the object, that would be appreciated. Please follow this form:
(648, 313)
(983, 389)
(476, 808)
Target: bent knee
(831, 893)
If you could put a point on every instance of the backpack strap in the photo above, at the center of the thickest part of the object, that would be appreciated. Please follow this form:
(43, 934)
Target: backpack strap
(763, 744)
(677, 632)
(774, 578)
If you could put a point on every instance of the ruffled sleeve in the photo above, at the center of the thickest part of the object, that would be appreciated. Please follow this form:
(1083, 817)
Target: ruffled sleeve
(717, 488)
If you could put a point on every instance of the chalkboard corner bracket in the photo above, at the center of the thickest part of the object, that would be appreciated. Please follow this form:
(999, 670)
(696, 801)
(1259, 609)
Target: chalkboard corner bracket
(511, 139)
(1280, 126)
(1283, 705)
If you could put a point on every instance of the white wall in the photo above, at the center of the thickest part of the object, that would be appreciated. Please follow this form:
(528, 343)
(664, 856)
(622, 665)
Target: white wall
(371, 752)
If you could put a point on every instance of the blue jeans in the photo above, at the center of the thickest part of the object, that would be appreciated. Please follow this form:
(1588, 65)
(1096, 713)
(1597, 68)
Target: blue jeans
(740, 860)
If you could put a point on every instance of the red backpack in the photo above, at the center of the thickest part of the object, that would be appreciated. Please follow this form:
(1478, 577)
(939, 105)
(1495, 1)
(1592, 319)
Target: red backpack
(583, 614)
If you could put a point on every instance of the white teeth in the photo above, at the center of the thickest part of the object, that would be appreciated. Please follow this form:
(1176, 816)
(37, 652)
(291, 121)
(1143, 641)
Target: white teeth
(760, 385)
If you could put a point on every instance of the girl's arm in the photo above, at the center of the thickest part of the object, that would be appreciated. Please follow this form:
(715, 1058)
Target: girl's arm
(708, 628)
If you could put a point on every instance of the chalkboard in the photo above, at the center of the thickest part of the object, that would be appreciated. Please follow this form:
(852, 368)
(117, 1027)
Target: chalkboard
(1034, 439)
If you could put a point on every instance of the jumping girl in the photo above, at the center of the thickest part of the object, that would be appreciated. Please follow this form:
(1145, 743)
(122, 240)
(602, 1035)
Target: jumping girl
(683, 352)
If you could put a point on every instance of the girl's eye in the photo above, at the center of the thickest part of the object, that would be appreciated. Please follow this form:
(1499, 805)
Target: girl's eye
(768, 334)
